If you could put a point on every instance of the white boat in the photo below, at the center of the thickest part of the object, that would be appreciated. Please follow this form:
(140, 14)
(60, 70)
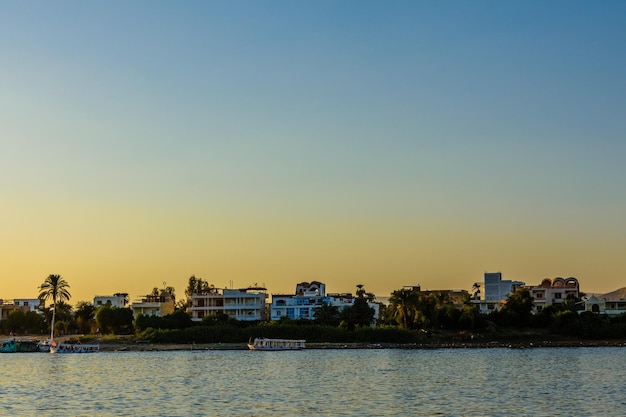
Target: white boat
(74, 348)
(261, 343)
(44, 345)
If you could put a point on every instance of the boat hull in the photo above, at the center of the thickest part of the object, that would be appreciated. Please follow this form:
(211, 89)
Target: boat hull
(14, 346)
(74, 348)
(265, 344)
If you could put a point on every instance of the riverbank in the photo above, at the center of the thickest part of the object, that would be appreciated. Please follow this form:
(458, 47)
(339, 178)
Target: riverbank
(130, 344)
(243, 346)
(139, 346)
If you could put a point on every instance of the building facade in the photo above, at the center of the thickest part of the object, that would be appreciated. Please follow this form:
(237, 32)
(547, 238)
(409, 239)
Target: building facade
(309, 297)
(493, 291)
(22, 304)
(246, 304)
(554, 292)
(118, 301)
(153, 305)
(612, 304)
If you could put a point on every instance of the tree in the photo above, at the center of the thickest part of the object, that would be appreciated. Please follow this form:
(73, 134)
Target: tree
(197, 286)
(19, 321)
(171, 291)
(403, 303)
(428, 308)
(476, 291)
(469, 313)
(327, 314)
(361, 293)
(194, 286)
(518, 306)
(114, 319)
(359, 314)
(56, 288)
(85, 315)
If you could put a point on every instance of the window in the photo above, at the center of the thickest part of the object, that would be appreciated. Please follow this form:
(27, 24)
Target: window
(558, 295)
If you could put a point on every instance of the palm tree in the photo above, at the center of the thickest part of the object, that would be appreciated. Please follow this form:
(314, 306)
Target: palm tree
(327, 314)
(54, 287)
(404, 302)
(476, 291)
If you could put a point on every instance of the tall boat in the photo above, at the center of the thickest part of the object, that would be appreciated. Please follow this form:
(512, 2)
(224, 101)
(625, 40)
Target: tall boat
(261, 343)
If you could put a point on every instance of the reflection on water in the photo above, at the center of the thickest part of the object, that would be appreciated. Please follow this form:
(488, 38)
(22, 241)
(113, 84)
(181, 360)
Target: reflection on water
(472, 382)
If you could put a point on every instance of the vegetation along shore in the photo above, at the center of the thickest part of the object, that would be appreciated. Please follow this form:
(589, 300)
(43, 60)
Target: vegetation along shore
(411, 320)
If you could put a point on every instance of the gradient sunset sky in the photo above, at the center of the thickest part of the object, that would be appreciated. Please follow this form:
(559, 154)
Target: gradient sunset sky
(383, 143)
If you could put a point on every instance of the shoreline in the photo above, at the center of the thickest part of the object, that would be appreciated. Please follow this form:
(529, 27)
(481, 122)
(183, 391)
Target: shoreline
(130, 344)
(156, 347)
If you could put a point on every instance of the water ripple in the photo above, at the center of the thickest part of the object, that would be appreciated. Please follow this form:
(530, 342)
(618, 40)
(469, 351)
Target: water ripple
(473, 382)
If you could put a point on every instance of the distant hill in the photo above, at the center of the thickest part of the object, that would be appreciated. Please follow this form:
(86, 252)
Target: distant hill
(614, 295)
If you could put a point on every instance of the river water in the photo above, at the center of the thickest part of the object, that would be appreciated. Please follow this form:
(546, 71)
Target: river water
(383, 382)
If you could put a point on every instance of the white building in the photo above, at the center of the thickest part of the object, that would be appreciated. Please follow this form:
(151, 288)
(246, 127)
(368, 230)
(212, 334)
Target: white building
(242, 304)
(493, 292)
(23, 304)
(308, 298)
(302, 304)
(119, 301)
(613, 303)
(153, 305)
(26, 304)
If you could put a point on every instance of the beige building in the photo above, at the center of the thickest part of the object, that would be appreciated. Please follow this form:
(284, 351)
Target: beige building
(554, 292)
(247, 304)
(154, 305)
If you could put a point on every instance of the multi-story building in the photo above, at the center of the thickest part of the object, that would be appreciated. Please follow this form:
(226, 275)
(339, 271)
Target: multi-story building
(117, 300)
(153, 305)
(493, 292)
(23, 304)
(310, 296)
(241, 304)
(302, 304)
(554, 292)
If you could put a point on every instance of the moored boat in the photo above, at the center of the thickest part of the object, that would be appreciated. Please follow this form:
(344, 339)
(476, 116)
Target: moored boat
(13, 346)
(74, 348)
(262, 343)
(44, 345)
(9, 346)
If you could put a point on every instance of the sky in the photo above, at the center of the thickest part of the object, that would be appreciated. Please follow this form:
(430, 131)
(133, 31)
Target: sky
(274, 142)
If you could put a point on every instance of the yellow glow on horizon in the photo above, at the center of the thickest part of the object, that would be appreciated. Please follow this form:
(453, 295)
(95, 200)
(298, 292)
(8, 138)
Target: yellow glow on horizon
(103, 250)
